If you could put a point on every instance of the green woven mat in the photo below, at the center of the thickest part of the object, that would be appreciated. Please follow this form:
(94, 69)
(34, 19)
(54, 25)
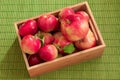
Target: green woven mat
(107, 15)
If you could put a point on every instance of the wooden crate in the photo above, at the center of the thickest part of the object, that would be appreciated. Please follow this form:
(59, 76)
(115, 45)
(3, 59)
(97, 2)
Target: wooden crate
(77, 57)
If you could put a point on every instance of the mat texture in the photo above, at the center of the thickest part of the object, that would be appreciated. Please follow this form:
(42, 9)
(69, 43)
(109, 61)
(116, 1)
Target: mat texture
(107, 16)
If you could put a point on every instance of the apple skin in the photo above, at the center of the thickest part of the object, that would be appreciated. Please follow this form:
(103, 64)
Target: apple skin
(74, 27)
(66, 12)
(48, 23)
(83, 14)
(30, 44)
(29, 27)
(34, 59)
(60, 42)
(88, 42)
(48, 52)
(48, 38)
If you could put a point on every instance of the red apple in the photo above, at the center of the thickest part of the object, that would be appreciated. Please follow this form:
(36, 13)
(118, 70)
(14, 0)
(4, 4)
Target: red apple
(48, 23)
(48, 52)
(60, 41)
(83, 14)
(66, 12)
(88, 42)
(47, 38)
(74, 27)
(29, 27)
(30, 44)
(34, 59)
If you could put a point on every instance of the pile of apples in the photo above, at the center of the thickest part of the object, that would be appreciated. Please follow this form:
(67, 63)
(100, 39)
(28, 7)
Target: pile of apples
(47, 37)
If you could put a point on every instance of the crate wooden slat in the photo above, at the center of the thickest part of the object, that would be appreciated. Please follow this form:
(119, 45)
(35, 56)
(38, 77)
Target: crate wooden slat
(74, 58)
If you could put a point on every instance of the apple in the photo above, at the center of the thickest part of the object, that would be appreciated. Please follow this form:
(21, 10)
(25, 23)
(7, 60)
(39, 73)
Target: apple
(29, 27)
(48, 52)
(83, 14)
(34, 59)
(60, 41)
(66, 12)
(30, 44)
(88, 42)
(74, 28)
(48, 23)
(46, 38)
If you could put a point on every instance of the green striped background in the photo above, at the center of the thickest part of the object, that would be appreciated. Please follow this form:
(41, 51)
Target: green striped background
(107, 16)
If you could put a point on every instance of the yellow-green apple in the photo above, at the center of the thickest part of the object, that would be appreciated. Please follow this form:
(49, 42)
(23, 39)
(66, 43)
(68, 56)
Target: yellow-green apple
(30, 44)
(88, 42)
(74, 28)
(48, 52)
(29, 27)
(48, 23)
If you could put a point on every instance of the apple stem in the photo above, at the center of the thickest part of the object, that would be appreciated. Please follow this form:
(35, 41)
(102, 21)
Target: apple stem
(68, 21)
(80, 41)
